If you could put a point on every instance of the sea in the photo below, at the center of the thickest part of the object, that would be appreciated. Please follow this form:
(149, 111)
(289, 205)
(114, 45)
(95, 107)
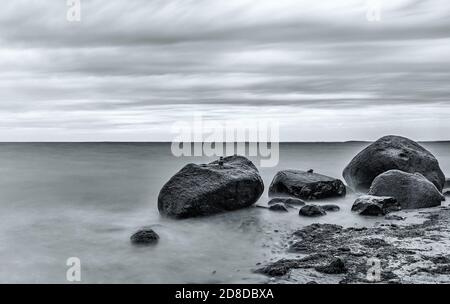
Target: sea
(84, 200)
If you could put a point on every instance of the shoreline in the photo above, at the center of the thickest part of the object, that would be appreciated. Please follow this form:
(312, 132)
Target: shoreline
(407, 252)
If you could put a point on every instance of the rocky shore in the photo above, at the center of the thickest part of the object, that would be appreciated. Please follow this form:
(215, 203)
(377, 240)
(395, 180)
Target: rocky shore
(394, 180)
(413, 247)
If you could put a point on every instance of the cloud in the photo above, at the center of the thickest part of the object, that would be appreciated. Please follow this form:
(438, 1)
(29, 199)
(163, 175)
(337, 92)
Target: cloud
(133, 67)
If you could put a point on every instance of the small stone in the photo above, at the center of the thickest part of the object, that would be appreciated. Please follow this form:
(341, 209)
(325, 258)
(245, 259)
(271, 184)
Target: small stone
(278, 207)
(394, 217)
(145, 236)
(375, 205)
(312, 210)
(330, 207)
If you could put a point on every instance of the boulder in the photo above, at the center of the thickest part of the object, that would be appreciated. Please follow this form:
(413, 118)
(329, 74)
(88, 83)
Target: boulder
(306, 185)
(197, 190)
(278, 207)
(312, 211)
(287, 201)
(447, 192)
(389, 153)
(410, 190)
(330, 207)
(375, 205)
(145, 236)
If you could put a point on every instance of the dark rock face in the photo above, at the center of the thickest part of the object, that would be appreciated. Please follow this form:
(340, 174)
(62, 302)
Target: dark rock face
(312, 210)
(410, 190)
(199, 190)
(145, 236)
(305, 185)
(447, 183)
(375, 205)
(330, 207)
(388, 153)
(278, 207)
(287, 201)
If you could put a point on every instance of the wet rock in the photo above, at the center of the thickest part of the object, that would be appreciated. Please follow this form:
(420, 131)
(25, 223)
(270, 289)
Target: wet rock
(312, 211)
(388, 153)
(199, 190)
(375, 205)
(374, 243)
(278, 207)
(403, 251)
(304, 185)
(410, 190)
(394, 217)
(337, 266)
(330, 207)
(279, 268)
(318, 232)
(287, 201)
(145, 236)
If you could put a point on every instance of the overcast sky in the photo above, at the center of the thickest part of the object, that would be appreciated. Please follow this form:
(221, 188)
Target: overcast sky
(131, 68)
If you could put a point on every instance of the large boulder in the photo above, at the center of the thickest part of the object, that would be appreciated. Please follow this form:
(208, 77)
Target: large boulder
(388, 153)
(306, 185)
(197, 190)
(375, 205)
(410, 190)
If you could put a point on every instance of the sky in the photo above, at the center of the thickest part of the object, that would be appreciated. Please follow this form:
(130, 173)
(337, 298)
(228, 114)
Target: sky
(131, 69)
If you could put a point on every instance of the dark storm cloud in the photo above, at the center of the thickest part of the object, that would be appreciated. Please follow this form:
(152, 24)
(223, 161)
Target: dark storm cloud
(130, 66)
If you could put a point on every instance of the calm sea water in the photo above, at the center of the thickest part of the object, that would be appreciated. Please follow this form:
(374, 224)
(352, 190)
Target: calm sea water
(85, 200)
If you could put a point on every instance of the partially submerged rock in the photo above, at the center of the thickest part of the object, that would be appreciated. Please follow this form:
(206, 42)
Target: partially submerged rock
(306, 185)
(278, 207)
(330, 207)
(287, 201)
(199, 190)
(388, 153)
(312, 211)
(145, 236)
(410, 190)
(375, 205)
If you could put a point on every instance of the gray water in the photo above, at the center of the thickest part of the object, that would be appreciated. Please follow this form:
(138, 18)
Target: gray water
(85, 200)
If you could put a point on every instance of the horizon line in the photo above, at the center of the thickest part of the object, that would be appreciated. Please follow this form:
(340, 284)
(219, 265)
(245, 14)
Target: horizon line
(192, 142)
